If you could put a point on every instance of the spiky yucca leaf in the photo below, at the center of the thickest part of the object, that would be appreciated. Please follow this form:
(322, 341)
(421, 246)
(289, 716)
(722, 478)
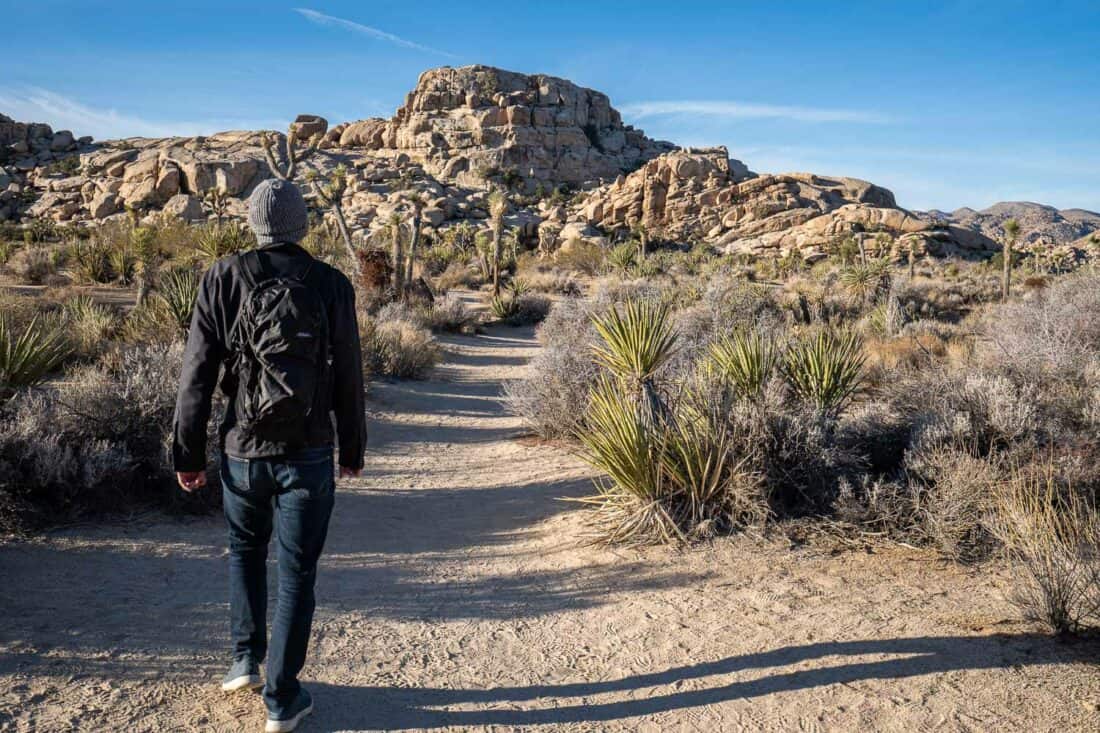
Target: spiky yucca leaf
(219, 240)
(745, 360)
(637, 341)
(826, 370)
(177, 291)
(618, 441)
(622, 256)
(503, 307)
(27, 358)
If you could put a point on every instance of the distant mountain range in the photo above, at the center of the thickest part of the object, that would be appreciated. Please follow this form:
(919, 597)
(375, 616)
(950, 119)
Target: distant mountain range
(1039, 224)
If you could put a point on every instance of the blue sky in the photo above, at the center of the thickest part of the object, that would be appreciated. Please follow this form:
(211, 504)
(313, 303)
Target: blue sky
(945, 103)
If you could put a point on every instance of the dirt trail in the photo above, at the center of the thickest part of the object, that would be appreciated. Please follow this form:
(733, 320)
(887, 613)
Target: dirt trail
(454, 595)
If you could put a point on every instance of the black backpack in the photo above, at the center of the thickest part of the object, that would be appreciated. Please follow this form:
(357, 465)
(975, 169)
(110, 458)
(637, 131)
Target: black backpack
(281, 339)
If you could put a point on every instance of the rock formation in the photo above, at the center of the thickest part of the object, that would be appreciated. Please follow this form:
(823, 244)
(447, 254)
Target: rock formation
(463, 122)
(461, 131)
(703, 195)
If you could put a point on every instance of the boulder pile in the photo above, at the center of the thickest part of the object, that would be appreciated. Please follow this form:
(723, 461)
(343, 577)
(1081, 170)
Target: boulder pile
(462, 131)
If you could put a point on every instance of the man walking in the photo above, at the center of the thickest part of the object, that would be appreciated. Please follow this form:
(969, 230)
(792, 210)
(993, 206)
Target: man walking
(283, 327)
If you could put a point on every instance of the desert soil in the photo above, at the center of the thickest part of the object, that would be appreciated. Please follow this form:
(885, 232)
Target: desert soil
(455, 595)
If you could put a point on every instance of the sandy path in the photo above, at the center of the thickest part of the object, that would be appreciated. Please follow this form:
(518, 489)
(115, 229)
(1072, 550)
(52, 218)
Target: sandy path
(454, 596)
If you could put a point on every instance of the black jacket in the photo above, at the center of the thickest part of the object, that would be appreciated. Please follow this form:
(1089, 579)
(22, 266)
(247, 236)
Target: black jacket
(220, 296)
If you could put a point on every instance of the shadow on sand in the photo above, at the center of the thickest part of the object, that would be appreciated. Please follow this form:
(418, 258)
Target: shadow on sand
(370, 708)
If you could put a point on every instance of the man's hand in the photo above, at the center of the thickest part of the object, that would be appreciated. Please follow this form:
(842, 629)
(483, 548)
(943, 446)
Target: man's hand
(191, 481)
(346, 472)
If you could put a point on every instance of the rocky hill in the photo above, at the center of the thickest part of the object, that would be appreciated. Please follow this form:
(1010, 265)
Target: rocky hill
(1039, 224)
(464, 130)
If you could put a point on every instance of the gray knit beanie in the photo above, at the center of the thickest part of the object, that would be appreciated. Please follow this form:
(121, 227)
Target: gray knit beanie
(277, 212)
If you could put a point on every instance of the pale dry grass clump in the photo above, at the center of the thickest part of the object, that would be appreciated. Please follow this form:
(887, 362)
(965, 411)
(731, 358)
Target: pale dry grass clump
(1051, 533)
(449, 314)
(397, 347)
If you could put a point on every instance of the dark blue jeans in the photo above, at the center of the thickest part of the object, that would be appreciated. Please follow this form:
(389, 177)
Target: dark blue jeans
(294, 496)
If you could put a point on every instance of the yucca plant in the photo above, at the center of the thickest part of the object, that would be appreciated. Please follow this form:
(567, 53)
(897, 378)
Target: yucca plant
(865, 280)
(825, 370)
(617, 440)
(503, 307)
(713, 488)
(177, 291)
(26, 359)
(519, 287)
(622, 257)
(745, 361)
(637, 341)
(123, 263)
(215, 241)
(92, 261)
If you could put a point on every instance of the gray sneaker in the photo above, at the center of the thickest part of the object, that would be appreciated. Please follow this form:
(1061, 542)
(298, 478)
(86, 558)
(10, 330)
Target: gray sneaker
(244, 674)
(288, 720)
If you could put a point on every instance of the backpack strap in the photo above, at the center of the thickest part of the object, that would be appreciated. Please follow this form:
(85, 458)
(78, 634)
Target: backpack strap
(251, 269)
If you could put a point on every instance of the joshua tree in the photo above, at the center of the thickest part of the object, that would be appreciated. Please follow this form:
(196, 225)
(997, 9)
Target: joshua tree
(332, 194)
(1012, 230)
(292, 155)
(144, 242)
(217, 202)
(417, 204)
(498, 206)
(642, 235)
(394, 224)
(912, 257)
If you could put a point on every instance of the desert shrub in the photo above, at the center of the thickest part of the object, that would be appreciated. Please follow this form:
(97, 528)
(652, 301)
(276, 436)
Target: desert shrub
(95, 444)
(150, 323)
(1052, 535)
(955, 503)
(18, 310)
(726, 305)
(91, 261)
(519, 310)
(90, 325)
(218, 240)
(33, 265)
(552, 396)
(397, 311)
(397, 348)
(582, 257)
(459, 274)
(1049, 345)
(450, 315)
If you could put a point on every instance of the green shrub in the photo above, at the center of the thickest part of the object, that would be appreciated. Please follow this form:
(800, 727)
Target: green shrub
(90, 325)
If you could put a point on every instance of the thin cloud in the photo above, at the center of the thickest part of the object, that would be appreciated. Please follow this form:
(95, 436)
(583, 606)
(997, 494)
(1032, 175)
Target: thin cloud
(330, 20)
(747, 111)
(64, 113)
